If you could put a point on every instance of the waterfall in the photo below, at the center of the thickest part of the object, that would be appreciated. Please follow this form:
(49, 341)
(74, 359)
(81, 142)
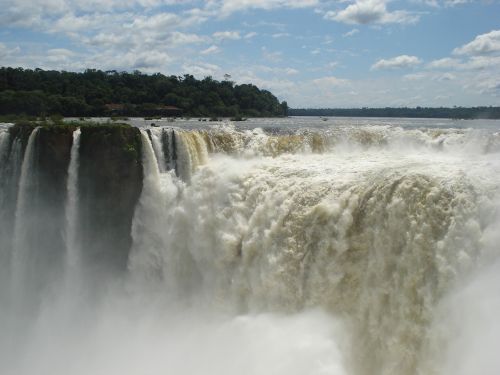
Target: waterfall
(156, 141)
(22, 224)
(4, 153)
(169, 148)
(71, 209)
(375, 237)
(9, 178)
(191, 149)
(4, 143)
(151, 220)
(345, 250)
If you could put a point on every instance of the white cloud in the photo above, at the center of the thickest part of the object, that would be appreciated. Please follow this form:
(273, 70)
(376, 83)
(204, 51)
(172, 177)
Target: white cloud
(482, 62)
(178, 38)
(280, 35)
(483, 44)
(371, 11)
(441, 3)
(156, 22)
(291, 71)
(274, 56)
(211, 50)
(201, 70)
(6, 52)
(276, 70)
(490, 86)
(147, 59)
(250, 35)
(230, 35)
(333, 65)
(473, 63)
(398, 62)
(330, 81)
(350, 33)
(60, 52)
(447, 77)
(445, 63)
(415, 76)
(452, 3)
(227, 7)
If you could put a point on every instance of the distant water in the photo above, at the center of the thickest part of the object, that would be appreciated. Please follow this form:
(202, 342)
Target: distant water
(314, 122)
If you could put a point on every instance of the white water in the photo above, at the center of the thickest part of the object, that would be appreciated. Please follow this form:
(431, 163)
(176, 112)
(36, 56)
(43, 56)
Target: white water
(345, 251)
(4, 143)
(4, 150)
(73, 249)
(72, 254)
(376, 232)
(156, 137)
(20, 254)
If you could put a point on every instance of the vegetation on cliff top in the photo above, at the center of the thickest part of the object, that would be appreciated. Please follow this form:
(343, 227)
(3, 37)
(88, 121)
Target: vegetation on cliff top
(97, 93)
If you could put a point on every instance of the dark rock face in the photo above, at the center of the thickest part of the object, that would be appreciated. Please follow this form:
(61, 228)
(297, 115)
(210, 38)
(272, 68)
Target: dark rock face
(47, 201)
(110, 183)
(10, 170)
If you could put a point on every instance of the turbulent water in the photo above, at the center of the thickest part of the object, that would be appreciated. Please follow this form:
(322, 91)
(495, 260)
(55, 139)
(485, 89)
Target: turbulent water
(281, 247)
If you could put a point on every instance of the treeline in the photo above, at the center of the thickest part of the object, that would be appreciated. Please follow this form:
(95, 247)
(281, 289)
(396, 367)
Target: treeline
(98, 93)
(418, 112)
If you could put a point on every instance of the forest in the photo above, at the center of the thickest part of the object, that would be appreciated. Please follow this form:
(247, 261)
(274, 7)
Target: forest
(417, 112)
(94, 92)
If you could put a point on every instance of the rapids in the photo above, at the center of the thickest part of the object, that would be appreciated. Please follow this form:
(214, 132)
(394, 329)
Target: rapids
(335, 249)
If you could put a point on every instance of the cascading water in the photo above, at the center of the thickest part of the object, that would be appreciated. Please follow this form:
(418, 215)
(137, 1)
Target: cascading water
(71, 209)
(158, 147)
(10, 169)
(332, 250)
(4, 143)
(22, 258)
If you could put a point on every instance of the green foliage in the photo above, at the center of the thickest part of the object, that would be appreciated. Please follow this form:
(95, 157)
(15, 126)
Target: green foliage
(40, 93)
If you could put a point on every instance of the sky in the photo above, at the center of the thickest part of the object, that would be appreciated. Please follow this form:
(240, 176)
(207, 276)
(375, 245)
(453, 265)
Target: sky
(311, 53)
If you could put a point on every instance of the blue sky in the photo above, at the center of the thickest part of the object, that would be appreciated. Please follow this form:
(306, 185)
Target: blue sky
(312, 53)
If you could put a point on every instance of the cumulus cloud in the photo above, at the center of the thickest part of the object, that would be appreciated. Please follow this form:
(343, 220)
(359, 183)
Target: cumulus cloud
(483, 44)
(330, 81)
(273, 56)
(371, 11)
(280, 35)
(452, 3)
(398, 62)
(482, 62)
(350, 33)
(179, 38)
(201, 70)
(250, 35)
(147, 60)
(211, 50)
(227, 7)
(60, 55)
(275, 70)
(444, 63)
(223, 35)
(415, 76)
(6, 52)
(442, 3)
